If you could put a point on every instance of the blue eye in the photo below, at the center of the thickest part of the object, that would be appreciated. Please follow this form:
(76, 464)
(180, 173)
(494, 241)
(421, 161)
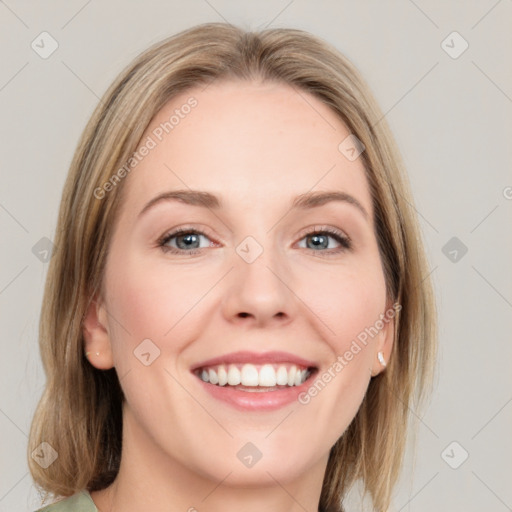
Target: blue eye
(320, 240)
(186, 241)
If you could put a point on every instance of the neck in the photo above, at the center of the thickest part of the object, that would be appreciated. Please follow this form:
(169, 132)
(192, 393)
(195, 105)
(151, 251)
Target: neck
(150, 479)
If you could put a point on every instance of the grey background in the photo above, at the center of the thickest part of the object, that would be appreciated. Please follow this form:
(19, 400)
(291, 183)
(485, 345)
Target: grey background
(452, 120)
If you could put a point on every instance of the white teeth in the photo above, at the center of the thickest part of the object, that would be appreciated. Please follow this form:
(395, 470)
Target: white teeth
(214, 379)
(267, 375)
(233, 376)
(291, 376)
(223, 375)
(249, 375)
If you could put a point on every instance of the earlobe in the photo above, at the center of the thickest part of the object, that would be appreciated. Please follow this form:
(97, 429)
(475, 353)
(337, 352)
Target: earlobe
(384, 347)
(380, 357)
(97, 346)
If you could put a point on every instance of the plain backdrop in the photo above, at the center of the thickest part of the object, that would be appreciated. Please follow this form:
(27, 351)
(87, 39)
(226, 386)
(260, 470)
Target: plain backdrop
(442, 75)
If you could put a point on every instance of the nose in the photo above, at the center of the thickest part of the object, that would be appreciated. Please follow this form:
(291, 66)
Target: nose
(259, 293)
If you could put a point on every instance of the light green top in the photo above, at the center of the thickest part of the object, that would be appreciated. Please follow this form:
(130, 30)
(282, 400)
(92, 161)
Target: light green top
(79, 502)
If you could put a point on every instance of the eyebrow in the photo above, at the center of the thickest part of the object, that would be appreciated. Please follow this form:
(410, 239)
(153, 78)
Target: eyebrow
(211, 201)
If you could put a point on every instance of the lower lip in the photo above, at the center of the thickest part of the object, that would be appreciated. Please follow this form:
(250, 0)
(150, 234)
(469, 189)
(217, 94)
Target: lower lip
(256, 400)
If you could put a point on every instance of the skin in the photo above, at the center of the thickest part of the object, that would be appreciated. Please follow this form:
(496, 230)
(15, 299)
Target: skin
(256, 146)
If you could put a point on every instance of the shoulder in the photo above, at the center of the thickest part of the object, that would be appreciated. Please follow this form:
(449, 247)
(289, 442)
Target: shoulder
(79, 502)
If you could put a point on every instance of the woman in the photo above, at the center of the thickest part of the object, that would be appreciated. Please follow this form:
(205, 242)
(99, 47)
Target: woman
(237, 313)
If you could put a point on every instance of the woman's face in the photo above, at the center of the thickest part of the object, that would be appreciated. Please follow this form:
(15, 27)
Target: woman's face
(246, 282)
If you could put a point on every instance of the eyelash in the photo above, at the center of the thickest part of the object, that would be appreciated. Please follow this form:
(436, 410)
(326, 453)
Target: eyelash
(343, 240)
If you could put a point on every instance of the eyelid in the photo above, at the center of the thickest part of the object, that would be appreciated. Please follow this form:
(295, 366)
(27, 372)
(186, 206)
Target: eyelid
(343, 240)
(323, 229)
(173, 232)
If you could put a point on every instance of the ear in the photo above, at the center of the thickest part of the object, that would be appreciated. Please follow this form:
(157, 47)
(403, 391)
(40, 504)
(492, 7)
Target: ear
(385, 340)
(97, 346)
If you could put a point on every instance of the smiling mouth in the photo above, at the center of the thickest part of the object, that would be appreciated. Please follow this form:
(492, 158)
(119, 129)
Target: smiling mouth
(255, 378)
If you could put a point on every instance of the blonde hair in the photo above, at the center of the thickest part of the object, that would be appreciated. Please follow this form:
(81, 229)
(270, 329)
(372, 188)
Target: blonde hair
(80, 411)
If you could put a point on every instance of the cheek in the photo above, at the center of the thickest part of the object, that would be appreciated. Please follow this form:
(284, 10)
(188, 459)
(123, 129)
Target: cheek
(347, 301)
(348, 304)
(151, 297)
(147, 302)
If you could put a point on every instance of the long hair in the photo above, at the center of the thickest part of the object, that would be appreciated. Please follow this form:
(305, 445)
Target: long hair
(80, 411)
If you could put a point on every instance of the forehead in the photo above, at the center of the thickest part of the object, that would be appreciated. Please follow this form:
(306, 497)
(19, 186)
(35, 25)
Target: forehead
(248, 143)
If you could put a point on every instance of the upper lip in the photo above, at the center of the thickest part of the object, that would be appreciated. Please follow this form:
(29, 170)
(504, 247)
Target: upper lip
(255, 358)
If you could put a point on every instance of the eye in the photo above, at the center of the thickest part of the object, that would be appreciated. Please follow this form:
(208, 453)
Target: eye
(187, 241)
(183, 241)
(319, 239)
